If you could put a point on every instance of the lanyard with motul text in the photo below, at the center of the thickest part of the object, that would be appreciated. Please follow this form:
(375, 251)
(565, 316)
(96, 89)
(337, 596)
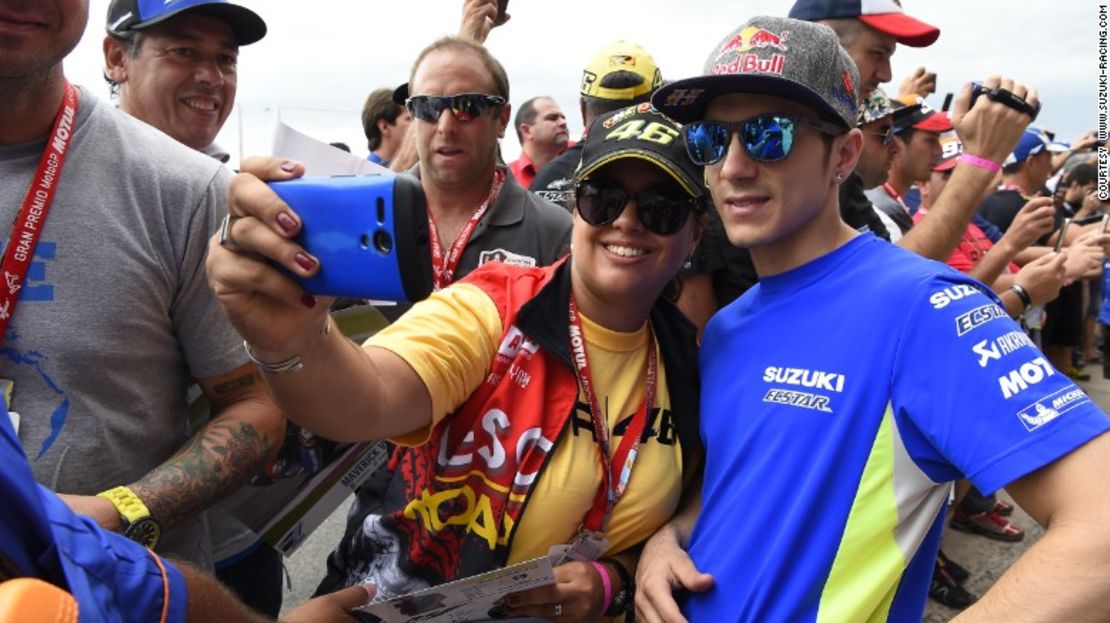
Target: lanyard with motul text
(36, 203)
(443, 268)
(615, 471)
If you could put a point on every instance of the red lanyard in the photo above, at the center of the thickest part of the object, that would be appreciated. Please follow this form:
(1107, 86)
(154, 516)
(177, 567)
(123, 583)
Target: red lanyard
(443, 268)
(36, 203)
(895, 196)
(890, 190)
(615, 471)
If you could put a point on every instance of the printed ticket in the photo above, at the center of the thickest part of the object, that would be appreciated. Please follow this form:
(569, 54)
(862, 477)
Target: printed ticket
(477, 598)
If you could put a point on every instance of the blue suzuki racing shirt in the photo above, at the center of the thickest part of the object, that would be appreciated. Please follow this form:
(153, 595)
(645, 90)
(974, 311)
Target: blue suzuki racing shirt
(839, 401)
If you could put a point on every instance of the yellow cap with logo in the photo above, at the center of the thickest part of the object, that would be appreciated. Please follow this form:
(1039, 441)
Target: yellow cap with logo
(620, 71)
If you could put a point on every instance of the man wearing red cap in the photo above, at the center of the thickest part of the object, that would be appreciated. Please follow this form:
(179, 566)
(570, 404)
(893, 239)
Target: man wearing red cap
(869, 31)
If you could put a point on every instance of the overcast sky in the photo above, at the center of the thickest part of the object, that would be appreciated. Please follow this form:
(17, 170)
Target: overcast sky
(321, 58)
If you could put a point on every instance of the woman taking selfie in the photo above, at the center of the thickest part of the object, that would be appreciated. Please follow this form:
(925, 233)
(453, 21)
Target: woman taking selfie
(534, 407)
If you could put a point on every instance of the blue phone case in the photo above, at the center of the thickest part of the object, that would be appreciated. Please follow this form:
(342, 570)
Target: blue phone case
(370, 234)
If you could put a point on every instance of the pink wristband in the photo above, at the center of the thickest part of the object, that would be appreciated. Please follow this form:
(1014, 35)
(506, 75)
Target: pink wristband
(982, 163)
(608, 588)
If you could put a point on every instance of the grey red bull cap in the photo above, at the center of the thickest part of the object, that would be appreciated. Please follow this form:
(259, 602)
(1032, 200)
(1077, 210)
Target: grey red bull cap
(788, 58)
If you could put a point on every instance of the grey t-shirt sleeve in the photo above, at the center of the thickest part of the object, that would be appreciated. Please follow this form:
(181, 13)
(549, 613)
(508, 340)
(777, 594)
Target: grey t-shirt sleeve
(207, 338)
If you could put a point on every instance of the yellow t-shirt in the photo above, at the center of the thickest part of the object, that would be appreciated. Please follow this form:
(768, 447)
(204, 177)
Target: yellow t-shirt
(450, 340)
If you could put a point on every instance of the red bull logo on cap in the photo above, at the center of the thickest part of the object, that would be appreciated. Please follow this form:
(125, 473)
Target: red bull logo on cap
(751, 64)
(753, 38)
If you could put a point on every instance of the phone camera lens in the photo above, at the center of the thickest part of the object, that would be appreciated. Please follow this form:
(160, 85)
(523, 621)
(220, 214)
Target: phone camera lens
(383, 242)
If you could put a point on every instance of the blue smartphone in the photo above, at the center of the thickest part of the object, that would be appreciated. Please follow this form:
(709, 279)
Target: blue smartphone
(369, 232)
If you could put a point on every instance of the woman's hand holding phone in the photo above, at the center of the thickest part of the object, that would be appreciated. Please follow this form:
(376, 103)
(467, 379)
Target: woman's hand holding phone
(270, 310)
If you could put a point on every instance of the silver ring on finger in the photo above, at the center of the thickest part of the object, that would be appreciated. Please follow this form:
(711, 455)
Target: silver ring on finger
(225, 233)
(558, 610)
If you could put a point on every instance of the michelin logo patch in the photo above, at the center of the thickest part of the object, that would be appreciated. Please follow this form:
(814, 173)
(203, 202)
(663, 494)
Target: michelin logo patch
(506, 257)
(1051, 407)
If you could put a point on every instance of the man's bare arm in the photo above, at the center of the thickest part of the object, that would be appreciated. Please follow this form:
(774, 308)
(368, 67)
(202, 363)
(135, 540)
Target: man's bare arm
(990, 267)
(989, 130)
(207, 601)
(1034, 220)
(406, 155)
(1063, 577)
(666, 567)
(479, 17)
(245, 431)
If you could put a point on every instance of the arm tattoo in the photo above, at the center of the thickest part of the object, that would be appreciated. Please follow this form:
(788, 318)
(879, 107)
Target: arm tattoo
(214, 462)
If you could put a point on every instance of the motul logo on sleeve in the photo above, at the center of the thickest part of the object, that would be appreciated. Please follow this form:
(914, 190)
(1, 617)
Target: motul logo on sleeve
(1030, 373)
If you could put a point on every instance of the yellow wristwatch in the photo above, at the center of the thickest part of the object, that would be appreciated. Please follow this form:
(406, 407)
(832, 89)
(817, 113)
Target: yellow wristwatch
(136, 522)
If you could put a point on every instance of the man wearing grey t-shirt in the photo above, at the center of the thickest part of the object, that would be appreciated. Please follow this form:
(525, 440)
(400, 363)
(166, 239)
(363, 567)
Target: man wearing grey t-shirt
(114, 316)
(175, 67)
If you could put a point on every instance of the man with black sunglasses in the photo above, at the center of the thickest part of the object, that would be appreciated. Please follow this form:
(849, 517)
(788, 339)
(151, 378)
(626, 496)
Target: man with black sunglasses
(879, 147)
(458, 94)
(878, 152)
(830, 451)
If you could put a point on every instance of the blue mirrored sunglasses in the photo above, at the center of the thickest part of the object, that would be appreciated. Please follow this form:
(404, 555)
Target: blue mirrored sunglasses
(766, 138)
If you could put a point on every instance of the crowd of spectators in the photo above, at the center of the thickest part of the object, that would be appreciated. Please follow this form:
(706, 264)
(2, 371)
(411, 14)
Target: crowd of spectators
(741, 350)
